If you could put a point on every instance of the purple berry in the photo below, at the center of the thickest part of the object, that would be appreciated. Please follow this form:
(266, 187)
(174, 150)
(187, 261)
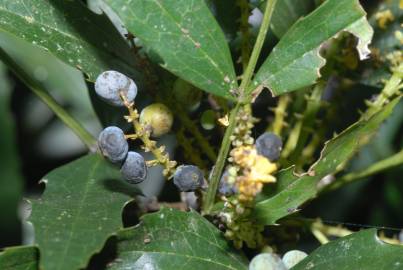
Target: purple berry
(134, 169)
(269, 145)
(113, 144)
(225, 187)
(110, 84)
(188, 178)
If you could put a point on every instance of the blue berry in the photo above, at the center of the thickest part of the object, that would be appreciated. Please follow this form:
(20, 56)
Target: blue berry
(293, 257)
(225, 187)
(266, 261)
(269, 145)
(134, 169)
(113, 144)
(188, 178)
(110, 84)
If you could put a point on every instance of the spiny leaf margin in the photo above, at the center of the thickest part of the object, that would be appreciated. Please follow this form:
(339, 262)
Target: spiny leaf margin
(295, 61)
(78, 211)
(292, 189)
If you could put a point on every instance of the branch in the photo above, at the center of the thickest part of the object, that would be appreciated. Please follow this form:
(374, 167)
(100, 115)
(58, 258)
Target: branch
(60, 112)
(246, 79)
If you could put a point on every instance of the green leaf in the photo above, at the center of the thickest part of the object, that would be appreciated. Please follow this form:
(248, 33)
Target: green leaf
(70, 31)
(287, 12)
(10, 175)
(295, 61)
(80, 208)
(361, 250)
(186, 36)
(171, 239)
(293, 190)
(19, 258)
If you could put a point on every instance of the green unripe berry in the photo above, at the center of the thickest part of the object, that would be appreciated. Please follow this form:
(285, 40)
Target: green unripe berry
(186, 94)
(293, 257)
(266, 261)
(158, 118)
(208, 119)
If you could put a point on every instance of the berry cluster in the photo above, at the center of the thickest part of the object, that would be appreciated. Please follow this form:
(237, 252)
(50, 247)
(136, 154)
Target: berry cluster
(154, 120)
(270, 261)
(117, 89)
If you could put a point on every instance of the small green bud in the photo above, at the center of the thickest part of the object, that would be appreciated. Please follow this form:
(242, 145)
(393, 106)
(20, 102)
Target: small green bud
(158, 118)
(208, 119)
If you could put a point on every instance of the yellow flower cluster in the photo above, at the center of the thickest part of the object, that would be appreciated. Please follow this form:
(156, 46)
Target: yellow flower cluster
(255, 170)
(383, 18)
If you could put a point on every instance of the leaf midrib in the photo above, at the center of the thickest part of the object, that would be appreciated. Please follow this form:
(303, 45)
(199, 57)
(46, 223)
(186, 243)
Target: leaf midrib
(90, 176)
(216, 66)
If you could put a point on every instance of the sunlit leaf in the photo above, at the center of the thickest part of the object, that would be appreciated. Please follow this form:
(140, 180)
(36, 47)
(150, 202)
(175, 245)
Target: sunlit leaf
(171, 239)
(80, 208)
(187, 38)
(295, 61)
(70, 31)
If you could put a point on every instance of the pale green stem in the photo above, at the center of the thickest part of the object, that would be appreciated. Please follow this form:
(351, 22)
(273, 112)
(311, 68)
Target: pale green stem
(308, 120)
(391, 87)
(338, 231)
(279, 115)
(320, 236)
(387, 163)
(60, 112)
(247, 76)
(219, 166)
(300, 133)
(246, 79)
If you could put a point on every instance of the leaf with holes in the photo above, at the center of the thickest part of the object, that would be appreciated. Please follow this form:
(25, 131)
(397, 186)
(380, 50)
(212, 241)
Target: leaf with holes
(80, 208)
(361, 250)
(187, 38)
(70, 31)
(293, 190)
(295, 61)
(19, 258)
(171, 239)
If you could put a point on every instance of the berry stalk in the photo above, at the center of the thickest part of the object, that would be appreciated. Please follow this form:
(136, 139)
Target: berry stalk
(246, 79)
(144, 136)
(84, 135)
